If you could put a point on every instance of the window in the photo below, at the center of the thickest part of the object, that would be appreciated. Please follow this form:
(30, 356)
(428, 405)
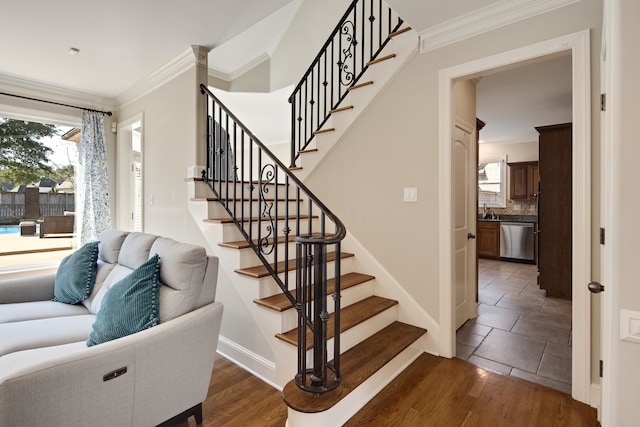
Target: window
(491, 182)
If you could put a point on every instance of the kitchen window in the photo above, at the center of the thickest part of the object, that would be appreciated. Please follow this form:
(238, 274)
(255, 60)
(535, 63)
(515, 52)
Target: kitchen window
(492, 182)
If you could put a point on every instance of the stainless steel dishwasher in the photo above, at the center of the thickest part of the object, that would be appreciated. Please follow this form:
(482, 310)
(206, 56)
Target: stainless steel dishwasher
(516, 241)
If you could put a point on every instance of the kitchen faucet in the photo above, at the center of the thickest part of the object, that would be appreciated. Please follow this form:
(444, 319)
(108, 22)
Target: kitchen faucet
(484, 211)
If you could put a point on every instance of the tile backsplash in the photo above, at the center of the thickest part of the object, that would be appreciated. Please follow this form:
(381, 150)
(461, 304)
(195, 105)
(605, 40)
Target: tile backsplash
(527, 207)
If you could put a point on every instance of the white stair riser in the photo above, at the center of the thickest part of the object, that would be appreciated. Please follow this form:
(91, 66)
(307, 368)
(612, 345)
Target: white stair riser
(255, 209)
(348, 339)
(263, 228)
(289, 318)
(238, 189)
(267, 285)
(248, 258)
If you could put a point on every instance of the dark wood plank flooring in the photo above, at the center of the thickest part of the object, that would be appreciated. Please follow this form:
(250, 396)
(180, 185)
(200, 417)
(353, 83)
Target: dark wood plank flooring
(433, 391)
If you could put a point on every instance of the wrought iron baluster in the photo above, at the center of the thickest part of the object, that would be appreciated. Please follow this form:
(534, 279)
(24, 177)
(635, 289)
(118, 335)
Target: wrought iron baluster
(249, 221)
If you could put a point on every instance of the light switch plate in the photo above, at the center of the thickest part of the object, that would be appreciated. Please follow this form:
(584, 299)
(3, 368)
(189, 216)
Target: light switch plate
(630, 326)
(411, 194)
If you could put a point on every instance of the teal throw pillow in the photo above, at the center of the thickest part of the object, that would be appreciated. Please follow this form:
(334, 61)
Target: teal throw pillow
(76, 275)
(129, 306)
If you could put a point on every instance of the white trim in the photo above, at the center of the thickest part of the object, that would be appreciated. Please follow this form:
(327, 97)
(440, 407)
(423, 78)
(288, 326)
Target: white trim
(485, 19)
(578, 44)
(248, 360)
(610, 203)
(123, 165)
(447, 329)
(169, 71)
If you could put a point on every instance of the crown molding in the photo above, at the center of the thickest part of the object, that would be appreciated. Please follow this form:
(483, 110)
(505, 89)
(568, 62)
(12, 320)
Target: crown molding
(46, 92)
(181, 63)
(485, 19)
(240, 71)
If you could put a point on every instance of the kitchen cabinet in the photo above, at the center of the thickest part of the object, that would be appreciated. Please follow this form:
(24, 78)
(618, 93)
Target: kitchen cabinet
(488, 239)
(554, 210)
(523, 180)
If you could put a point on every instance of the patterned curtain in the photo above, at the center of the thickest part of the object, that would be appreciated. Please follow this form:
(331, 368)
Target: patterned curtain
(93, 210)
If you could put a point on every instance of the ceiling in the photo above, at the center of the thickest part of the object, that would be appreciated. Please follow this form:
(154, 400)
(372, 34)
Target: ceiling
(513, 102)
(122, 42)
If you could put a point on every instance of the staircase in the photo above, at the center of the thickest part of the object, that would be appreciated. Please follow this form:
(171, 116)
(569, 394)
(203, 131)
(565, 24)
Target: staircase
(242, 201)
(313, 139)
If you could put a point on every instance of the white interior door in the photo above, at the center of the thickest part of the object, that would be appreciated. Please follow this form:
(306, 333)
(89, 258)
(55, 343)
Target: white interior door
(464, 219)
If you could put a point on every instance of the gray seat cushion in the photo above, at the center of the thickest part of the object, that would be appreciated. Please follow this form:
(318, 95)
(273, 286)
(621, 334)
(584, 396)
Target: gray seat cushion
(17, 312)
(29, 334)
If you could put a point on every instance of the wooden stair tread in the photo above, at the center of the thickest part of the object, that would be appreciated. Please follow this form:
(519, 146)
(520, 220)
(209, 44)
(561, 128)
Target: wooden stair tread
(281, 303)
(350, 316)
(337, 110)
(357, 365)
(261, 271)
(380, 59)
(243, 244)
(308, 150)
(239, 199)
(229, 220)
(400, 31)
(358, 86)
(319, 131)
(231, 182)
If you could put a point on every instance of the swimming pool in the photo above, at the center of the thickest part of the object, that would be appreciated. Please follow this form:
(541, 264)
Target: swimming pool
(9, 229)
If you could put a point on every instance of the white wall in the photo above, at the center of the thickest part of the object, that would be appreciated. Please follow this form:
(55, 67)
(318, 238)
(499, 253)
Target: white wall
(518, 152)
(302, 41)
(395, 145)
(169, 149)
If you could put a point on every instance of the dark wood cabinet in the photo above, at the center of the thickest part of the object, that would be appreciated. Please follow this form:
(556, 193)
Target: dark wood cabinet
(554, 210)
(523, 180)
(489, 239)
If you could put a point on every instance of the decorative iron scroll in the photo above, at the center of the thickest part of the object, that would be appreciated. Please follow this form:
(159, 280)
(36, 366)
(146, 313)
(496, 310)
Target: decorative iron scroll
(267, 174)
(347, 33)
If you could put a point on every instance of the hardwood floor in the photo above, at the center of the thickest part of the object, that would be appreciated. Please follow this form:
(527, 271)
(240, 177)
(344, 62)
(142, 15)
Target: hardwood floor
(433, 391)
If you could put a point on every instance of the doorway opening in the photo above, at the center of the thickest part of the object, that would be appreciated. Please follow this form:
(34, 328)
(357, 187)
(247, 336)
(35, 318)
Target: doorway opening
(519, 331)
(577, 45)
(130, 176)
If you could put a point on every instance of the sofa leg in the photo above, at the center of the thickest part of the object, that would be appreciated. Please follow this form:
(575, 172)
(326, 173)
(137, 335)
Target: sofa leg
(196, 411)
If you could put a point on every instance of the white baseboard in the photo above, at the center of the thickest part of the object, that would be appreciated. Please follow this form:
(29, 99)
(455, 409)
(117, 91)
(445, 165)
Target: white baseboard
(249, 361)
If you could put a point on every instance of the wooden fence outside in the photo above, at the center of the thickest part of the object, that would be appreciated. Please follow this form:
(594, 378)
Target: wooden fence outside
(14, 204)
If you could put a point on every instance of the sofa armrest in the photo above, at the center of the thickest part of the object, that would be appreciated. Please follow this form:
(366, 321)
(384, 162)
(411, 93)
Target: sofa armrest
(168, 370)
(26, 289)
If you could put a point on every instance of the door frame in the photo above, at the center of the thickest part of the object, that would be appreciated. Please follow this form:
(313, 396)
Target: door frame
(578, 45)
(123, 170)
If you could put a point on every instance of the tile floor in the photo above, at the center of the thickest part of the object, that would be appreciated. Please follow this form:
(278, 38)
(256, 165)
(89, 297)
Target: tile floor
(518, 331)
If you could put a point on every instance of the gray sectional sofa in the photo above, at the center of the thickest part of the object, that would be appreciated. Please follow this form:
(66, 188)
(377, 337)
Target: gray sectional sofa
(50, 376)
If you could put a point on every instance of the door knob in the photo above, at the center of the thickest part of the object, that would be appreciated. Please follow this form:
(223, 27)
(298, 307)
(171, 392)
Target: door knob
(595, 287)
(471, 236)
